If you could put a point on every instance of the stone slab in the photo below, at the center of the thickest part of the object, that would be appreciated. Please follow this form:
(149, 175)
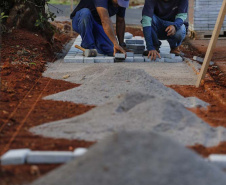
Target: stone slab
(135, 47)
(15, 157)
(129, 59)
(157, 59)
(138, 59)
(120, 56)
(167, 55)
(218, 160)
(199, 59)
(79, 152)
(128, 35)
(129, 54)
(134, 41)
(76, 59)
(136, 158)
(48, 157)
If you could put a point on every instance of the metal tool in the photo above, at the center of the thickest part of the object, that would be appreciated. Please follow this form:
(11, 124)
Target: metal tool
(87, 52)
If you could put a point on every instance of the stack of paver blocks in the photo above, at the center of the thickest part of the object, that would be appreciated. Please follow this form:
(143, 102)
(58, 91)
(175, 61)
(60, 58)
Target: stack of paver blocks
(135, 44)
(203, 15)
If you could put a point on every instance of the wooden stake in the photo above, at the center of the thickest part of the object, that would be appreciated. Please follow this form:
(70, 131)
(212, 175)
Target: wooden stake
(212, 43)
(71, 21)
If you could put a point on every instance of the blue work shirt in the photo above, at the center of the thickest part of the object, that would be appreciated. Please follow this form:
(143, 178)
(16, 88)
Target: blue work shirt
(174, 11)
(166, 10)
(93, 4)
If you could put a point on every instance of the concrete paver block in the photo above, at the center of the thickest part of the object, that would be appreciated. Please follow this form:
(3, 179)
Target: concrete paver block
(49, 157)
(157, 59)
(138, 59)
(70, 55)
(139, 51)
(167, 60)
(129, 59)
(199, 59)
(167, 55)
(79, 152)
(76, 59)
(102, 59)
(218, 159)
(178, 59)
(129, 54)
(128, 35)
(132, 41)
(120, 56)
(138, 37)
(88, 60)
(136, 47)
(16, 156)
(73, 49)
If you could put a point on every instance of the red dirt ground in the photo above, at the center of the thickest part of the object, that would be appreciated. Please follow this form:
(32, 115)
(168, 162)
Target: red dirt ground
(213, 90)
(23, 58)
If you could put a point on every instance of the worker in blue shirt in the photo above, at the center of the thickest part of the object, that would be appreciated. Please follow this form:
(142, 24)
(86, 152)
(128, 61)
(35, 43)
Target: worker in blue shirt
(164, 20)
(91, 19)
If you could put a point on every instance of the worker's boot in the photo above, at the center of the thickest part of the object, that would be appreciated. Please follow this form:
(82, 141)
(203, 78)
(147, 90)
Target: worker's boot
(177, 51)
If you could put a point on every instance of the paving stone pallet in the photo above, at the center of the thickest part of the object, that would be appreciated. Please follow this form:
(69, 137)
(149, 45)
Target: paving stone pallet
(202, 17)
(136, 44)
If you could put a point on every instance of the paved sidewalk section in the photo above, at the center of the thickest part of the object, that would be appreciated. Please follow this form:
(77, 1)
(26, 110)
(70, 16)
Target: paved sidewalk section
(136, 44)
(136, 158)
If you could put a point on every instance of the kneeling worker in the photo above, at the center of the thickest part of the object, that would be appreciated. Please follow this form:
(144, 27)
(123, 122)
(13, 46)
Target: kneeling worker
(91, 19)
(164, 20)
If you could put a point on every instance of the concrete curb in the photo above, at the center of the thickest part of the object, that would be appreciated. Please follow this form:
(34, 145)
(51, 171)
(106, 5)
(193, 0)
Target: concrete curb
(26, 156)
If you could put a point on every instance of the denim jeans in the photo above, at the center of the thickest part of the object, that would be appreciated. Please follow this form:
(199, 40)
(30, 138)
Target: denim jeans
(158, 33)
(92, 33)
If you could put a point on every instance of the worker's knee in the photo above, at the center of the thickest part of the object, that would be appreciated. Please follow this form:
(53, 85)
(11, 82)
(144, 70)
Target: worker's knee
(181, 33)
(155, 21)
(85, 14)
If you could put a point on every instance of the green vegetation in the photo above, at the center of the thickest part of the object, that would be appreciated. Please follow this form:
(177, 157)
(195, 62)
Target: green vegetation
(64, 2)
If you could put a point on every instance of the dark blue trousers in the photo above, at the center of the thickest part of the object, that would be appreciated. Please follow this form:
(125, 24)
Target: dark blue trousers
(92, 33)
(158, 33)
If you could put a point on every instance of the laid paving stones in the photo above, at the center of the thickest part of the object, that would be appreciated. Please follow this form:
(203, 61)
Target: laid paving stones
(167, 55)
(88, 60)
(157, 59)
(129, 54)
(136, 44)
(136, 158)
(129, 59)
(104, 59)
(17, 156)
(120, 56)
(138, 59)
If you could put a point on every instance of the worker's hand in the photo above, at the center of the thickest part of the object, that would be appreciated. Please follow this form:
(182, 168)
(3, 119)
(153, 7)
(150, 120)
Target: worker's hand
(153, 54)
(171, 30)
(118, 48)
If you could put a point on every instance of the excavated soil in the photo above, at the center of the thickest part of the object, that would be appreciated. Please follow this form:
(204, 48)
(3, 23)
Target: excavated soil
(23, 58)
